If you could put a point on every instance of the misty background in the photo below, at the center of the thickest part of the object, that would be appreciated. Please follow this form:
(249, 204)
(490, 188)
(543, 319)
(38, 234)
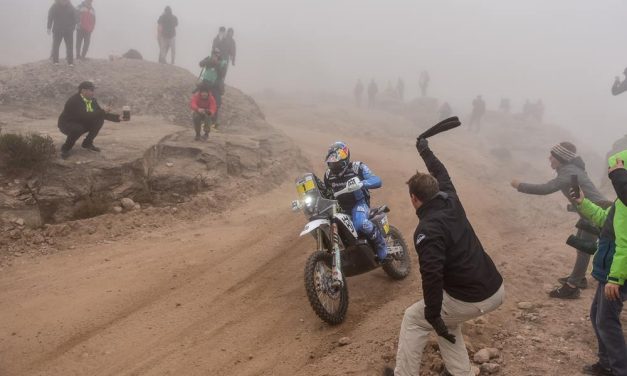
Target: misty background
(565, 52)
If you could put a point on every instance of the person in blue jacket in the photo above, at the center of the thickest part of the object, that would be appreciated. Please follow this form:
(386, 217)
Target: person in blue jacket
(340, 171)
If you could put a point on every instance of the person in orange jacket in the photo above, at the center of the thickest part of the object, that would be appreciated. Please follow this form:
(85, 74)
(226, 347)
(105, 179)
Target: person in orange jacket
(204, 106)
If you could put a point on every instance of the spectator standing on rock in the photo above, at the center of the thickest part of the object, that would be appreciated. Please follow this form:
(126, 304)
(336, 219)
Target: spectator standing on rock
(167, 25)
(358, 92)
(478, 110)
(61, 24)
(84, 28)
(564, 160)
(459, 280)
(203, 106)
(212, 71)
(373, 89)
(400, 89)
(423, 82)
(609, 268)
(82, 114)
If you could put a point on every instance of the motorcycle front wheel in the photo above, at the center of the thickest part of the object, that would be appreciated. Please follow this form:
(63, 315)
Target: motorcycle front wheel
(328, 302)
(400, 265)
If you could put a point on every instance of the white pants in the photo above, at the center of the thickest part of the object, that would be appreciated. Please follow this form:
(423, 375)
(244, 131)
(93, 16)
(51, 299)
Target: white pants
(415, 332)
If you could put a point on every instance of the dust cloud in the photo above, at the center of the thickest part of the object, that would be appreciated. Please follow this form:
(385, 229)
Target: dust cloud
(564, 52)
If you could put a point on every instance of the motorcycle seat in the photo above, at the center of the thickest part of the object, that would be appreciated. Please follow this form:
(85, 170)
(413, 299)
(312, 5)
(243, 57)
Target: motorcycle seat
(378, 210)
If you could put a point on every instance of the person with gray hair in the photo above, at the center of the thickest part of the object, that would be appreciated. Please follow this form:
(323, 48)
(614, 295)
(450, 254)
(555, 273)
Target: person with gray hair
(566, 163)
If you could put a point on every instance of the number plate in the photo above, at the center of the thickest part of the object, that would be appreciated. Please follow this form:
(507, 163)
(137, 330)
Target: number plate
(386, 225)
(304, 186)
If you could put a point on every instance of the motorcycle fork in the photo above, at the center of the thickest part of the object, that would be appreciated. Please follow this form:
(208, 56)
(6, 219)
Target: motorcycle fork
(336, 274)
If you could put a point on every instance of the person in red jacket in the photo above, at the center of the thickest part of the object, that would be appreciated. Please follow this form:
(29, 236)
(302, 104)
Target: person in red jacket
(204, 106)
(84, 27)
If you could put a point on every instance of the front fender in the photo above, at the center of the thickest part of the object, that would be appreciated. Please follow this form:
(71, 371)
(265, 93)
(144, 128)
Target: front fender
(309, 227)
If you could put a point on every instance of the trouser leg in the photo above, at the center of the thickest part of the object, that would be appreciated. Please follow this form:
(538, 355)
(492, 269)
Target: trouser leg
(365, 226)
(80, 35)
(73, 131)
(610, 330)
(173, 47)
(162, 50)
(582, 261)
(454, 313)
(197, 120)
(93, 130)
(86, 44)
(68, 38)
(217, 95)
(594, 317)
(57, 37)
(412, 339)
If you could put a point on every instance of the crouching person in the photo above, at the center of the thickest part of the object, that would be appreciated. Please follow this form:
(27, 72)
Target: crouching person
(459, 280)
(82, 114)
(204, 106)
(609, 268)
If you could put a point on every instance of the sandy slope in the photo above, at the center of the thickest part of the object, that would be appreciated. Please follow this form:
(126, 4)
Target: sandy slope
(223, 295)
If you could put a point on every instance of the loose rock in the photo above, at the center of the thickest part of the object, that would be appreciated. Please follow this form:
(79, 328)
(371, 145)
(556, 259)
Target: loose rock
(482, 356)
(490, 368)
(344, 341)
(525, 305)
(127, 203)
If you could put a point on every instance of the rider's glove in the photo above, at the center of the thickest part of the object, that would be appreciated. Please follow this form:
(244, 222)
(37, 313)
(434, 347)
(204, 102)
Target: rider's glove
(421, 145)
(440, 328)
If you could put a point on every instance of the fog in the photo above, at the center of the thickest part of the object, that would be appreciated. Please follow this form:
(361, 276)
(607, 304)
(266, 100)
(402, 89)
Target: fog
(565, 52)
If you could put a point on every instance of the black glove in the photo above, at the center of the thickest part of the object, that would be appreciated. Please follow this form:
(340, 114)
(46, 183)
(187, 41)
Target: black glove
(440, 328)
(422, 144)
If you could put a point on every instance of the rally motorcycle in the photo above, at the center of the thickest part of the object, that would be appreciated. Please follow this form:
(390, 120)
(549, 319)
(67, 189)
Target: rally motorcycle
(340, 251)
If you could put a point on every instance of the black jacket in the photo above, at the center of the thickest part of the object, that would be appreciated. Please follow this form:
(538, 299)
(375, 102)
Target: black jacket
(62, 18)
(451, 256)
(75, 111)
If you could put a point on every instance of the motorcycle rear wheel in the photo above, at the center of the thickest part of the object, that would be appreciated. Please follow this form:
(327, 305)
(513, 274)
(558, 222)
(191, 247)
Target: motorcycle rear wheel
(400, 267)
(329, 303)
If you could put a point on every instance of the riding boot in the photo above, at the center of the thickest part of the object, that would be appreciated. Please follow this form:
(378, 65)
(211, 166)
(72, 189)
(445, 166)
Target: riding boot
(377, 239)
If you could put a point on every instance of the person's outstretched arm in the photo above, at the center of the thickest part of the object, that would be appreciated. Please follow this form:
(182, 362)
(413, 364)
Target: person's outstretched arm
(619, 87)
(435, 167)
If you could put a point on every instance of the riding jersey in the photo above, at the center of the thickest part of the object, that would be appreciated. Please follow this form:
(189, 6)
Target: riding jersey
(337, 182)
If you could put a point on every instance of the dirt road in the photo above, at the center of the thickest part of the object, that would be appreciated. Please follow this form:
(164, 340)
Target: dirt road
(223, 295)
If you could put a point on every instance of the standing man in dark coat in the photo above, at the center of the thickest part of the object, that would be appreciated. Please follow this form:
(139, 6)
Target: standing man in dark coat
(82, 114)
(459, 280)
(61, 24)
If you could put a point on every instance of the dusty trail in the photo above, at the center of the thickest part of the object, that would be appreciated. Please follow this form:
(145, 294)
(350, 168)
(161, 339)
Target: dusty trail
(223, 295)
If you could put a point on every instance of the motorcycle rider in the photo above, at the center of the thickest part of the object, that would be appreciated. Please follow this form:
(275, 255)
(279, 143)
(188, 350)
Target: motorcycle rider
(357, 203)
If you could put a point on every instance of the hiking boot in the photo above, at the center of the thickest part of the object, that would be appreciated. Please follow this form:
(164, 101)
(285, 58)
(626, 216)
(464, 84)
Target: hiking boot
(92, 148)
(583, 284)
(565, 292)
(597, 369)
(388, 371)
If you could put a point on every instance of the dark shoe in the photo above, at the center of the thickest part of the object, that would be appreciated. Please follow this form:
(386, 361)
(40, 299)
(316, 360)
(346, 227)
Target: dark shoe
(565, 292)
(583, 284)
(597, 369)
(92, 148)
(65, 154)
(388, 371)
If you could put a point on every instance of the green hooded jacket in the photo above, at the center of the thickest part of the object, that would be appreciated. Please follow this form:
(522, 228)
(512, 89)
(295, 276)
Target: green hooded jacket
(610, 261)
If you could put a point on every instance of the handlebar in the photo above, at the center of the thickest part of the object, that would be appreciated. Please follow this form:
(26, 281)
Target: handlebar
(352, 185)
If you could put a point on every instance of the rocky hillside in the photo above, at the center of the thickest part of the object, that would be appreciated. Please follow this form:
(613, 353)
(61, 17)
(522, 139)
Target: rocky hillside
(152, 160)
